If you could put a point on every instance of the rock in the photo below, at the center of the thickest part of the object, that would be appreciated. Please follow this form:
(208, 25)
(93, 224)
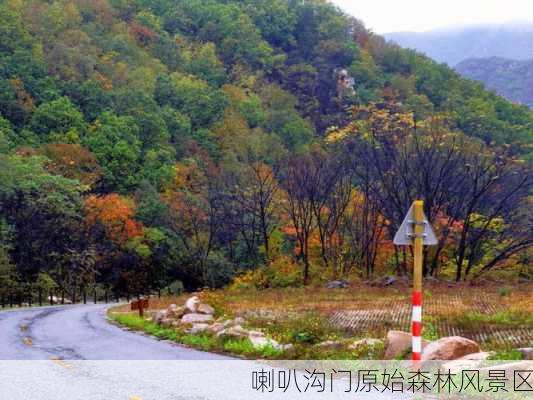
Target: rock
(205, 309)
(398, 343)
(215, 328)
(481, 356)
(449, 348)
(196, 318)
(340, 284)
(173, 311)
(239, 321)
(527, 352)
(330, 344)
(456, 366)
(192, 304)
(166, 322)
(159, 316)
(261, 341)
(227, 323)
(198, 328)
(389, 280)
(365, 343)
(236, 331)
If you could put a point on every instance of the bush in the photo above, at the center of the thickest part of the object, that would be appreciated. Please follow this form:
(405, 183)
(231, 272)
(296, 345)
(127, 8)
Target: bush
(283, 272)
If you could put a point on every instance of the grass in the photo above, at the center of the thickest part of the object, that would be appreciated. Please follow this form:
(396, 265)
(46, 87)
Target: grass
(508, 318)
(202, 341)
(302, 317)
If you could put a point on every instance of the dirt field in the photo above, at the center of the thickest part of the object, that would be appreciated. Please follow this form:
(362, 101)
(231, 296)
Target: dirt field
(494, 317)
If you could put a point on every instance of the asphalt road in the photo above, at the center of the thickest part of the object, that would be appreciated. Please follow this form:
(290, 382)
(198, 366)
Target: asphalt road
(80, 332)
(73, 352)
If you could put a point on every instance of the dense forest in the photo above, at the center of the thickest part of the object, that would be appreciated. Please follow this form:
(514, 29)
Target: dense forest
(145, 142)
(512, 79)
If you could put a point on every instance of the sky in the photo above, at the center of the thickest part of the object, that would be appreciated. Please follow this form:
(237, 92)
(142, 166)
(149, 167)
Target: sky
(383, 16)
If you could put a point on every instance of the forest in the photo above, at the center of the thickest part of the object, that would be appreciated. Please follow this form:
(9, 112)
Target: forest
(265, 143)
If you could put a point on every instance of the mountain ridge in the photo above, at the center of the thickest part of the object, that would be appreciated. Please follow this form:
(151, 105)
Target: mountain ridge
(512, 79)
(453, 45)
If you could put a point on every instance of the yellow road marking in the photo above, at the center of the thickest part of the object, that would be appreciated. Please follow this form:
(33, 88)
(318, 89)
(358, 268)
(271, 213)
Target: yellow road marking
(135, 398)
(27, 341)
(61, 363)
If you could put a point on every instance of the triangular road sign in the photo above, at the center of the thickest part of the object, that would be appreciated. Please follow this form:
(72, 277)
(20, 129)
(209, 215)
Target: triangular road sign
(404, 236)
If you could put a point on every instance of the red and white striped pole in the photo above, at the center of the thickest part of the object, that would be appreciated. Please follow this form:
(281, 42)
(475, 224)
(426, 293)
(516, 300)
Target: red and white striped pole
(416, 327)
(418, 245)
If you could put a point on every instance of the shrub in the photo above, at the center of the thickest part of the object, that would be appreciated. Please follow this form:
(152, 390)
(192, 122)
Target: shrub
(283, 272)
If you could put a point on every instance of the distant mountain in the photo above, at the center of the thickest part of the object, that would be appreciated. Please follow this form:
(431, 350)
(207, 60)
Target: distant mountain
(512, 79)
(513, 41)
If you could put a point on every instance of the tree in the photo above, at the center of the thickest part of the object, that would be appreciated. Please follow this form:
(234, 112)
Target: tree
(71, 161)
(6, 135)
(297, 180)
(460, 180)
(115, 142)
(115, 214)
(58, 120)
(43, 211)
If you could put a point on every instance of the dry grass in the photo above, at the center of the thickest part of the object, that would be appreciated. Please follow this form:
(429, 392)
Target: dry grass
(371, 311)
(438, 299)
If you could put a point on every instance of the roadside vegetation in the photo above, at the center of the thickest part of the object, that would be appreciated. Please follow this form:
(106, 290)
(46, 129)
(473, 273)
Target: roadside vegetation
(305, 318)
(273, 144)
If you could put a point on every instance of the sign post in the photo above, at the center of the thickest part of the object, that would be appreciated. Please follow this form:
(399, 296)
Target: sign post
(140, 305)
(415, 231)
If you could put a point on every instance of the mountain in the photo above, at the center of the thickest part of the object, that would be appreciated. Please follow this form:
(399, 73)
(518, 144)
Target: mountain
(453, 45)
(512, 79)
(143, 141)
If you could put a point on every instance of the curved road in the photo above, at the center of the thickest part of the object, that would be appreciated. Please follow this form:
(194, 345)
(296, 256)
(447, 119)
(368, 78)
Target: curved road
(80, 332)
(73, 352)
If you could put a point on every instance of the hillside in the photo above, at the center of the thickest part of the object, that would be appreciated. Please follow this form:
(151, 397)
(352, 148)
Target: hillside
(148, 141)
(511, 79)
(451, 46)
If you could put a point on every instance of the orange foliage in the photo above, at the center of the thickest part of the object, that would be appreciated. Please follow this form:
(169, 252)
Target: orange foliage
(72, 161)
(142, 34)
(105, 83)
(115, 213)
(25, 101)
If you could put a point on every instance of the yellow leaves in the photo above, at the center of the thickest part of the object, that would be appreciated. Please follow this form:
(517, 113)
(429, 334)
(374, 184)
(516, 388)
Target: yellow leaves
(338, 134)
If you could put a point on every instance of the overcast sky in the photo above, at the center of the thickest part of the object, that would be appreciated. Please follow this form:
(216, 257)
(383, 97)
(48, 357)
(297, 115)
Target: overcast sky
(384, 16)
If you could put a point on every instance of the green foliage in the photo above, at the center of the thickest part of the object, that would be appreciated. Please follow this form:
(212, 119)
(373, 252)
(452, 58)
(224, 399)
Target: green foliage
(503, 291)
(512, 354)
(146, 84)
(6, 135)
(200, 341)
(115, 143)
(43, 211)
(59, 121)
(500, 318)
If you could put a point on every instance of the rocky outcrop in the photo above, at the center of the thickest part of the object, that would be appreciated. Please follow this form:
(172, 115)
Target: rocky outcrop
(399, 343)
(205, 309)
(341, 284)
(195, 318)
(449, 348)
(192, 304)
(198, 328)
